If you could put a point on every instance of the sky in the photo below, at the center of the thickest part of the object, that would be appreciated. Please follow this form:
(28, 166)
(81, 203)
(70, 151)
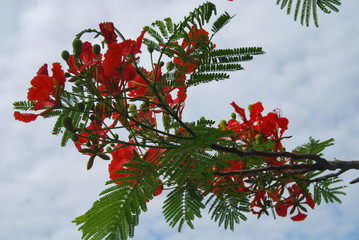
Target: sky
(311, 74)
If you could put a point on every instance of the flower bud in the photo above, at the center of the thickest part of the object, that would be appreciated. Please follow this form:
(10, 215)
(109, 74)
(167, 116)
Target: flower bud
(150, 49)
(108, 149)
(132, 109)
(67, 74)
(161, 64)
(250, 107)
(233, 116)
(96, 49)
(258, 138)
(77, 46)
(223, 124)
(115, 136)
(170, 66)
(202, 119)
(65, 55)
(67, 122)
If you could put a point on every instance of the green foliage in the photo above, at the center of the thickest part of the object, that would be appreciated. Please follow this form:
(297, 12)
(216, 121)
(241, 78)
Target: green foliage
(211, 63)
(182, 205)
(314, 146)
(324, 190)
(116, 214)
(221, 22)
(198, 78)
(306, 8)
(24, 105)
(227, 209)
(199, 16)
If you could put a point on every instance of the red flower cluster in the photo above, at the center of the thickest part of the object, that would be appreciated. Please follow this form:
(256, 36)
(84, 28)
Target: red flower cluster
(249, 133)
(271, 126)
(295, 200)
(45, 92)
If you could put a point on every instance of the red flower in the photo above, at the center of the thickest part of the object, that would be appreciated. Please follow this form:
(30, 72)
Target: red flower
(108, 31)
(58, 74)
(43, 70)
(25, 117)
(160, 188)
(43, 86)
(45, 92)
(113, 84)
(282, 124)
(299, 217)
(87, 56)
(197, 38)
(296, 195)
(259, 201)
(181, 97)
(240, 111)
(184, 66)
(139, 86)
(269, 124)
(281, 209)
(144, 117)
(120, 54)
(119, 157)
(256, 110)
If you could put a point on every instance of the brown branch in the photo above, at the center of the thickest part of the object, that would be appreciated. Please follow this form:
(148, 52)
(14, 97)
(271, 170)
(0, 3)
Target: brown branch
(325, 177)
(320, 165)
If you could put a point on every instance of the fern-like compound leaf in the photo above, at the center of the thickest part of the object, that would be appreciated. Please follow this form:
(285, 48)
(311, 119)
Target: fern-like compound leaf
(24, 105)
(308, 8)
(228, 209)
(323, 190)
(221, 21)
(116, 214)
(182, 205)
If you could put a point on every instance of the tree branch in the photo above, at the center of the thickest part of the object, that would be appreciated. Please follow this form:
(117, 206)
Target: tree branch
(320, 165)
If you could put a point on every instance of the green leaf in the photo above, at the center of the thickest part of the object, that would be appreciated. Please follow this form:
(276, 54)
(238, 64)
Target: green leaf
(23, 105)
(228, 209)
(314, 146)
(221, 22)
(154, 34)
(182, 205)
(116, 214)
(308, 8)
(198, 78)
(322, 190)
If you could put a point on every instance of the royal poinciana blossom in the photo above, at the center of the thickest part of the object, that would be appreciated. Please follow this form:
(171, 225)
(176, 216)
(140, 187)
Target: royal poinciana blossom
(116, 110)
(45, 93)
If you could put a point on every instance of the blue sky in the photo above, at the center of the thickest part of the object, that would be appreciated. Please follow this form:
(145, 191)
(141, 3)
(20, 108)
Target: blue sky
(311, 74)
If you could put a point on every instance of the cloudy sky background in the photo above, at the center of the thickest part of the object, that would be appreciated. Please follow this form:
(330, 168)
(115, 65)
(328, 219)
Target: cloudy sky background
(311, 74)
